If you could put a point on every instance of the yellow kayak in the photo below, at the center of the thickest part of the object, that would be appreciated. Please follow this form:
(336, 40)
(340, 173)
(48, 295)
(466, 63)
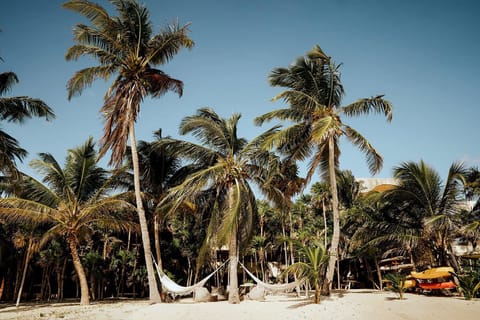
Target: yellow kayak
(409, 283)
(434, 273)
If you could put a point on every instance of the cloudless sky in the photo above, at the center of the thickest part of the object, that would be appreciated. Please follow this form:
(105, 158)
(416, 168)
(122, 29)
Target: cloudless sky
(422, 55)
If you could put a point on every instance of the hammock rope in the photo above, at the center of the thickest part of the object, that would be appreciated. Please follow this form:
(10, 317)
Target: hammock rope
(279, 287)
(177, 289)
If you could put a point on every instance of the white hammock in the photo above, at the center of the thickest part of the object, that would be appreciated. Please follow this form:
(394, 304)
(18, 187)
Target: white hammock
(176, 289)
(280, 287)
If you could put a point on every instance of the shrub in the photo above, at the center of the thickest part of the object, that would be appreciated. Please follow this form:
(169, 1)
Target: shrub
(469, 283)
(397, 283)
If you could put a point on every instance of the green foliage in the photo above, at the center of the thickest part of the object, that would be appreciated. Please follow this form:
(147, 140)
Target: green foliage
(469, 283)
(16, 110)
(126, 49)
(227, 165)
(314, 258)
(396, 283)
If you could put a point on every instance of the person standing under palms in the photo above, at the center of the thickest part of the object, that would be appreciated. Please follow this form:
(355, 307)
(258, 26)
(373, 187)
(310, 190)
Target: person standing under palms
(125, 47)
(314, 94)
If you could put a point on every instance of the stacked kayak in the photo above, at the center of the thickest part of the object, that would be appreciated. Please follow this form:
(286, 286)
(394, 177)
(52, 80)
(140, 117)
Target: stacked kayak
(434, 278)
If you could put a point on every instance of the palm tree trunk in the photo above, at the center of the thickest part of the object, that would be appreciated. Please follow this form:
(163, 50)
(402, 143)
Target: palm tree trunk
(2, 286)
(284, 233)
(317, 294)
(233, 296)
(325, 227)
(379, 273)
(156, 235)
(84, 298)
(154, 295)
(28, 254)
(61, 280)
(336, 215)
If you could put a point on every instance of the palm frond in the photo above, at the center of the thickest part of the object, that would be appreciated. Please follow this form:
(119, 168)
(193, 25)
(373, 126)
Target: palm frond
(165, 45)
(289, 114)
(104, 55)
(85, 77)
(10, 151)
(304, 101)
(110, 213)
(17, 109)
(365, 106)
(188, 150)
(90, 10)
(454, 186)
(83, 175)
(374, 159)
(7, 80)
(160, 83)
(51, 171)
(208, 128)
(16, 210)
(34, 190)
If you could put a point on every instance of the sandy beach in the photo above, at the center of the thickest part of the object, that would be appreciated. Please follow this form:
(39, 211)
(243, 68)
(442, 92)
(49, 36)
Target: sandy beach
(354, 304)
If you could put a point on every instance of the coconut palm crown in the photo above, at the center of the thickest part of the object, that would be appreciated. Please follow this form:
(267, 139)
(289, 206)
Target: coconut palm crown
(314, 94)
(124, 46)
(69, 202)
(430, 207)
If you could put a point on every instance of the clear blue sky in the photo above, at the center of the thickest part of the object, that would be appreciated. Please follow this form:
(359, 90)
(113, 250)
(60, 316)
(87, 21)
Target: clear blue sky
(422, 55)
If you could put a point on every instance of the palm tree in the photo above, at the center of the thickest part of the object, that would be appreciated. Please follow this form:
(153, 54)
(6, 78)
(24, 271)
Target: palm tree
(314, 94)
(125, 46)
(29, 241)
(321, 196)
(424, 199)
(312, 268)
(69, 202)
(159, 171)
(16, 110)
(228, 165)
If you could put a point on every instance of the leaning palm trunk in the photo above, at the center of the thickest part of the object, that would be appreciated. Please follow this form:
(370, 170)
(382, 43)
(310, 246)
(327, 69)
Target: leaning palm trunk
(28, 255)
(82, 278)
(154, 295)
(336, 216)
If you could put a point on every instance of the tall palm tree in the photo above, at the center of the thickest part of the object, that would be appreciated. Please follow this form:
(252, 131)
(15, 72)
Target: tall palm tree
(314, 94)
(16, 110)
(125, 46)
(69, 202)
(228, 165)
(436, 206)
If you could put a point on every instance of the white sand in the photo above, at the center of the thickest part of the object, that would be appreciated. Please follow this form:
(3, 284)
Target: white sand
(354, 304)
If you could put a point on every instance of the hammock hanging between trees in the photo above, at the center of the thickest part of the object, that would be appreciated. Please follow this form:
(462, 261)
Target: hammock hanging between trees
(179, 290)
(273, 287)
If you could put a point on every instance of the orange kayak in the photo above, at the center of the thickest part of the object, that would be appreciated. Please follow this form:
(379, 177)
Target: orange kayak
(434, 273)
(437, 285)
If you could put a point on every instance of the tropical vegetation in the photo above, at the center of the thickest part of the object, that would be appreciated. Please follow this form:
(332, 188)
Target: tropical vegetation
(314, 94)
(127, 48)
(85, 232)
(68, 204)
